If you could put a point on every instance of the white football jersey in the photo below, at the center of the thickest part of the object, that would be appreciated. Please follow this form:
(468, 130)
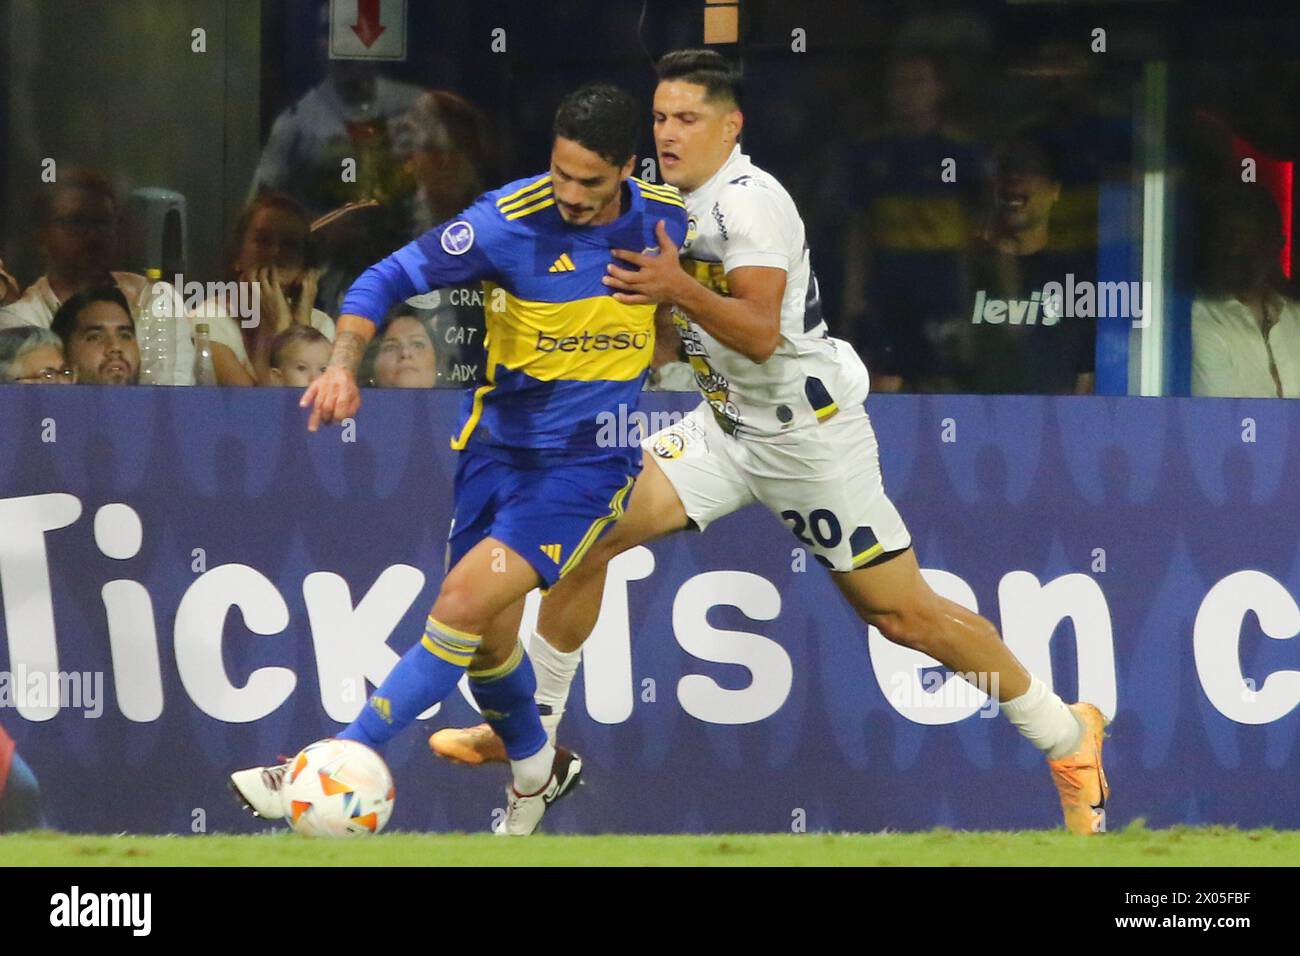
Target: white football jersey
(743, 217)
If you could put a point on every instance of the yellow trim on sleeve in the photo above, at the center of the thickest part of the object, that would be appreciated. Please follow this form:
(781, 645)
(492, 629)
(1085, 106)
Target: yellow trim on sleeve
(529, 210)
(545, 180)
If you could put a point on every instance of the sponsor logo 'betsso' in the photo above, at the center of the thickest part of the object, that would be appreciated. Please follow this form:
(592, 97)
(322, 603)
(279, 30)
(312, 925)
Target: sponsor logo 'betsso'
(586, 342)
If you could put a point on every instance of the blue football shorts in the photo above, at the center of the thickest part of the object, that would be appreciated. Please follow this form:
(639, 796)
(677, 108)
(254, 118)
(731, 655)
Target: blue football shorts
(550, 516)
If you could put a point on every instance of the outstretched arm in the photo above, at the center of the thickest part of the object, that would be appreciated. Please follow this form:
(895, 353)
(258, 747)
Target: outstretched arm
(335, 396)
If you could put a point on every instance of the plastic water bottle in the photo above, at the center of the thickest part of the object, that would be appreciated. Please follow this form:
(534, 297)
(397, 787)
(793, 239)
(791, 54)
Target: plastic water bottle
(145, 335)
(155, 331)
(204, 371)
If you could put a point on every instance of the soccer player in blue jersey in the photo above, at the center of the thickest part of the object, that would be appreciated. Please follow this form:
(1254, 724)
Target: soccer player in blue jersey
(783, 422)
(534, 489)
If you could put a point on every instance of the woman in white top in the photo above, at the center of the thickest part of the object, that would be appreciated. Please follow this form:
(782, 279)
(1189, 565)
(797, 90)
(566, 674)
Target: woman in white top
(1245, 317)
(271, 250)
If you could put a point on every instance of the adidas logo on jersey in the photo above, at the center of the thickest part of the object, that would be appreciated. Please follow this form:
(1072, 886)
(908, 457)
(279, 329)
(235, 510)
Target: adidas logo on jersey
(552, 551)
(562, 264)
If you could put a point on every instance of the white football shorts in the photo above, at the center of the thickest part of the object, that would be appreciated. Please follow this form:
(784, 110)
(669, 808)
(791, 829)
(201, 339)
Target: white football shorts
(824, 482)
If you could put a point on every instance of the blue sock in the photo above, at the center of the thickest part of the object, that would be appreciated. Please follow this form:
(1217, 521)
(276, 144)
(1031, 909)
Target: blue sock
(505, 696)
(426, 674)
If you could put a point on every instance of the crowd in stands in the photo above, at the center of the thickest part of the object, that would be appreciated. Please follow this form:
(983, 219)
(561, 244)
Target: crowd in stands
(944, 242)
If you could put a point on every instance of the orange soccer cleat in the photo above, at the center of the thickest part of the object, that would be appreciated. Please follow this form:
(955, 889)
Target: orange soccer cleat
(470, 746)
(1079, 777)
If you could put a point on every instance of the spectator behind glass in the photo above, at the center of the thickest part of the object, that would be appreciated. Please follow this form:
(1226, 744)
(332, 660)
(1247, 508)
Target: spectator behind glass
(405, 356)
(297, 357)
(33, 356)
(447, 147)
(271, 249)
(76, 232)
(9, 289)
(905, 245)
(346, 117)
(1016, 338)
(98, 336)
(1245, 317)
(445, 143)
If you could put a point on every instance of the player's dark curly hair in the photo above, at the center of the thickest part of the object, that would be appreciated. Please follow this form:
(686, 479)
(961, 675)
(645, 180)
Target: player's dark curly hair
(602, 118)
(720, 77)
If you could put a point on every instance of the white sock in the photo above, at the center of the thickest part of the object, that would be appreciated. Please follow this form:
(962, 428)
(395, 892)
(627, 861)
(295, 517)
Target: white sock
(554, 670)
(533, 773)
(1044, 720)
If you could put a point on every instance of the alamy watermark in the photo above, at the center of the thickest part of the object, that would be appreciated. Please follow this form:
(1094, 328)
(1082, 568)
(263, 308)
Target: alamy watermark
(627, 429)
(210, 300)
(955, 690)
(1070, 299)
(78, 690)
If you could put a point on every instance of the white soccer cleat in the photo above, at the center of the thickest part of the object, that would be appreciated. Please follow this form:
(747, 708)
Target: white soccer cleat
(524, 812)
(261, 790)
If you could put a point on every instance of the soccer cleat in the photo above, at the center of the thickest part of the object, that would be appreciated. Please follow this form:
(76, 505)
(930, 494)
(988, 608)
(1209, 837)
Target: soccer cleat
(1079, 777)
(261, 790)
(524, 812)
(470, 746)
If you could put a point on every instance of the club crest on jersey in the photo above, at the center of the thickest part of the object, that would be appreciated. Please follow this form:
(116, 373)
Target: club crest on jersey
(674, 442)
(670, 445)
(458, 238)
(692, 230)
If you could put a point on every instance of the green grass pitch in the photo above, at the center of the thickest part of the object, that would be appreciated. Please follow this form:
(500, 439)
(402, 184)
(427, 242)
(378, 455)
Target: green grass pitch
(1133, 846)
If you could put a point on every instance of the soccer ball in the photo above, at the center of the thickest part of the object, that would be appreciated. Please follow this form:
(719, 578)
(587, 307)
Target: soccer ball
(338, 788)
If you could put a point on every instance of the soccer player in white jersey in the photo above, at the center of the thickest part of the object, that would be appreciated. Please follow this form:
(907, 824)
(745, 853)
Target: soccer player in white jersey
(783, 423)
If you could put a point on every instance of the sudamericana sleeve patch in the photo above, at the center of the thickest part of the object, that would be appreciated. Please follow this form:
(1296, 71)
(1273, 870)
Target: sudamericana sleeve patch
(457, 238)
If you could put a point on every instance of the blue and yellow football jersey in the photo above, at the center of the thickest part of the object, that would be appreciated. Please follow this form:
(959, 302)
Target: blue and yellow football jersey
(560, 348)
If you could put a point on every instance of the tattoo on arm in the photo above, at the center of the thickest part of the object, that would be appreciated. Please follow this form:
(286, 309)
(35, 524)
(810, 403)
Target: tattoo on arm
(349, 348)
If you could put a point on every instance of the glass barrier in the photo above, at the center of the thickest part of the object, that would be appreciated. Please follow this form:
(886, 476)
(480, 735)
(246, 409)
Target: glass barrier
(1000, 199)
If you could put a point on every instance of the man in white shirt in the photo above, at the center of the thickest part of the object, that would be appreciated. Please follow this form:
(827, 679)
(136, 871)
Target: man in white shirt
(1246, 351)
(76, 232)
(345, 116)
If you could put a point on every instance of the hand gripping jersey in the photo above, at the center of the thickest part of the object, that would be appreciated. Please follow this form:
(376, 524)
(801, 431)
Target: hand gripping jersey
(743, 217)
(560, 349)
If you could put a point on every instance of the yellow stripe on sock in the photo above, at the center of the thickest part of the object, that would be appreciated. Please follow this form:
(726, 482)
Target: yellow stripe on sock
(451, 645)
(510, 665)
(433, 622)
(451, 657)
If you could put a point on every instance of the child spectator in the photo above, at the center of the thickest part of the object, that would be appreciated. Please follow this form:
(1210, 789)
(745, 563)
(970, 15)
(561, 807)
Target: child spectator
(297, 357)
(271, 249)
